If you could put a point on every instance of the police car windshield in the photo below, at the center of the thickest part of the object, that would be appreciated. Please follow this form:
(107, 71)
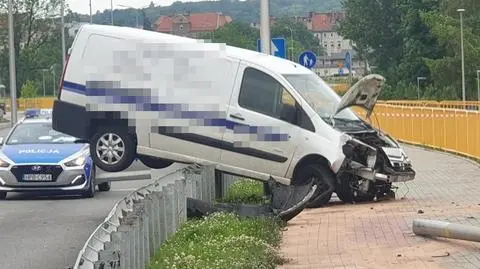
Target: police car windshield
(38, 133)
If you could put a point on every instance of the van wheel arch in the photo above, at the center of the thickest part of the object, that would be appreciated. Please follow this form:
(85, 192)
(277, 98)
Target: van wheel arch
(311, 159)
(319, 166)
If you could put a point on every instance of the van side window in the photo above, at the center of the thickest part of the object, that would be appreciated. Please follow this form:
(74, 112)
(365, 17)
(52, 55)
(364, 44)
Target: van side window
(262, 93)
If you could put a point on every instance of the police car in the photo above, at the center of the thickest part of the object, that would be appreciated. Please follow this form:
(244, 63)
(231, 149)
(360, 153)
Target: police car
(34, 157)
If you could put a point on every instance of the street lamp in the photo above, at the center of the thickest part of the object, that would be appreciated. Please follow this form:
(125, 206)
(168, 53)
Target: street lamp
(43, 73)
(13, 80)
(478, 84)
(136, 16)
(418, 86)
(461, 10)
(291, 37)
(111, 11)
(91, 18)
(62, 8)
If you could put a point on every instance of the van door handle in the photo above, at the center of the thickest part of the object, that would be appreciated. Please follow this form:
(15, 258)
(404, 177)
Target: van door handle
(237, 116)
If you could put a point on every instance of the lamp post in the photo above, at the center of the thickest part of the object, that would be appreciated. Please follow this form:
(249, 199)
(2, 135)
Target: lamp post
(461, 10)
(478, 84)
(291, 37)
(111, 11)
(136, 16)
(418, 86)
(13, 80)
(91, 18)
(43, 74)
(62, 8)
(265, 27)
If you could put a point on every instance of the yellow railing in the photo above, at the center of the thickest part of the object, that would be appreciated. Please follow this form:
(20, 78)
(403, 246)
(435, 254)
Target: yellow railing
(25, 103)
(429, 123)
(454, 130)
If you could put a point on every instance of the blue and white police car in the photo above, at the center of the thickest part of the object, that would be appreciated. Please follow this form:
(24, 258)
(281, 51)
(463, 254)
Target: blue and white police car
(34, 157)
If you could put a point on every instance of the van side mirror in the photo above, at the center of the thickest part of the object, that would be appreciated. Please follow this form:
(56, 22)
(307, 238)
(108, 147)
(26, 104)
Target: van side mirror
(289, 113)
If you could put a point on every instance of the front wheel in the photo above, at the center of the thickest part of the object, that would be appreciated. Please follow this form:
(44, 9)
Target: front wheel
(323, 178)
(90, 192)
(112, 149)
(105, 186)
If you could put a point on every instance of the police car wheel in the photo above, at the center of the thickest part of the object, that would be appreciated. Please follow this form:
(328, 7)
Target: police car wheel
(105, 186)
(112, 149)
(3, 195)
(91, 187)
(154, 163)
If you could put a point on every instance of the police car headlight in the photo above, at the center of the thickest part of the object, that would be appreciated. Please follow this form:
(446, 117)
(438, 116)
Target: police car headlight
(79, 161)
(4, 163)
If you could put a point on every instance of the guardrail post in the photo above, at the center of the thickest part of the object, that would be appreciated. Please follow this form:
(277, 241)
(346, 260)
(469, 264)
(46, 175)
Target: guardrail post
(210, 177)
(218, 184)
(170, 210)
(149, 200)
(140, 250)
(120, 238)
(181, 202)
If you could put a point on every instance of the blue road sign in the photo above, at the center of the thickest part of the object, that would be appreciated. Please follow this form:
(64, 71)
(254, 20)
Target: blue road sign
(348, 61)
(308, 59)
(278, 47)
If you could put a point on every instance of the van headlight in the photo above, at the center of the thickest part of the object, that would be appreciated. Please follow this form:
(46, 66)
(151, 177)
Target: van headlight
(79, 161)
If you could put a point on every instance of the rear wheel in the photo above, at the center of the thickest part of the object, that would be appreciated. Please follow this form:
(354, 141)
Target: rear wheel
(322, 177)
(154, 163)
(105, 186)
(3, 195)
(112, 149)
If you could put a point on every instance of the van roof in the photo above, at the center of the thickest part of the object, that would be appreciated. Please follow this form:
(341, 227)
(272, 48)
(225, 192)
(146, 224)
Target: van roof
(272, 63)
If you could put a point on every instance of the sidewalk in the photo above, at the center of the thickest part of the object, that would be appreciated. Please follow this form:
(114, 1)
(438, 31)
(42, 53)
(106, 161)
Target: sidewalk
(379, 235)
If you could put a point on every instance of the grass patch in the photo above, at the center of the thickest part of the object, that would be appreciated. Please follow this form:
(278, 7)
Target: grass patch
(222, 240)
(245, 191)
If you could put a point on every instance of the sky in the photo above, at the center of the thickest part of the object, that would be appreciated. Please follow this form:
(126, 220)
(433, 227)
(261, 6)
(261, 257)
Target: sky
(82, 6)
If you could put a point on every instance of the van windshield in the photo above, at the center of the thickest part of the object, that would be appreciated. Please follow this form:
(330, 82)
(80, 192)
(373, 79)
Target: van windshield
(319, 96)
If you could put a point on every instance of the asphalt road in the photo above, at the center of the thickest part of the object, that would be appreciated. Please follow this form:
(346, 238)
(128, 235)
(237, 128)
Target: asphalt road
(47, 232)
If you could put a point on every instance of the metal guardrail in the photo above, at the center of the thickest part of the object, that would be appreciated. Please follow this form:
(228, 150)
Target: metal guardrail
(142, 221)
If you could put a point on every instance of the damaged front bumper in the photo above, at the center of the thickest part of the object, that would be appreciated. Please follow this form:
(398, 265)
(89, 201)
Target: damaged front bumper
(392, 177)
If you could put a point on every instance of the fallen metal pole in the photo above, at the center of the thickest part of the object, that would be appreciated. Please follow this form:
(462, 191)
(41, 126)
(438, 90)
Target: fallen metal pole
(446, 229)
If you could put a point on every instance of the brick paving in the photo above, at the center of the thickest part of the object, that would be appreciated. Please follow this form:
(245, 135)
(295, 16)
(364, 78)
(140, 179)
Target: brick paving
(379, 234)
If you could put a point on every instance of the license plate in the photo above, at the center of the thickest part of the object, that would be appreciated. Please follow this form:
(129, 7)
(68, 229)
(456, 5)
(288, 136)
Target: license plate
(37, 177)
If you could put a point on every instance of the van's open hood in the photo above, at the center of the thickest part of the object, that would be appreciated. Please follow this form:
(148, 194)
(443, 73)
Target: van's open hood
(364, 94)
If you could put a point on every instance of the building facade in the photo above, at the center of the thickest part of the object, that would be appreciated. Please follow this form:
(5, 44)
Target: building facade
(191, 24)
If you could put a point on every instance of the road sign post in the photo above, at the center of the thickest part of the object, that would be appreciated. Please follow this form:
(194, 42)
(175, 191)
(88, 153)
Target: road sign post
(278, 47)
(308, 59)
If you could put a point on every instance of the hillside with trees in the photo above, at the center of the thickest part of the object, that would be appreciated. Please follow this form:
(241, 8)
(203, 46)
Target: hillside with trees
(404, 40)
(245, 11)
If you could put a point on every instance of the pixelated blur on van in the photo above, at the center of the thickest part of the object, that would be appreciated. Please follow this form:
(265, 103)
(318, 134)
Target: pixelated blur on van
(163, 99)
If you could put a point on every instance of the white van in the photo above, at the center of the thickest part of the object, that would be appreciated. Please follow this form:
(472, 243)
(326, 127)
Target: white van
(163, 98)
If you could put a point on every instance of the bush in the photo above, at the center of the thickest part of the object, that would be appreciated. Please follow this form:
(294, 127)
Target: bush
(245, 191)
(222, 240)
(29, 89)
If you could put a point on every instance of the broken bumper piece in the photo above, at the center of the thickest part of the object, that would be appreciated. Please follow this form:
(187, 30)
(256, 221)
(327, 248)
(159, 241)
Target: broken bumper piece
(392, 177)
(286, 202)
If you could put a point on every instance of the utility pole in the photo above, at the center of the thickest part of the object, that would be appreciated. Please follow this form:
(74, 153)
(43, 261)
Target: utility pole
(63, 30)
(91, 18)
(43, 74)
(52, 68)
(13, 80)
(461, 10)
(265, 27)
(111, 11)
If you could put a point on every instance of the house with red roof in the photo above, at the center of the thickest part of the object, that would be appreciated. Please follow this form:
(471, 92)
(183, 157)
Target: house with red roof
(191, 24)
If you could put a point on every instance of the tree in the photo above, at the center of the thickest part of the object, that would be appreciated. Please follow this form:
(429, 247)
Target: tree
(29, 89)
(32, 29)
(236, 34)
